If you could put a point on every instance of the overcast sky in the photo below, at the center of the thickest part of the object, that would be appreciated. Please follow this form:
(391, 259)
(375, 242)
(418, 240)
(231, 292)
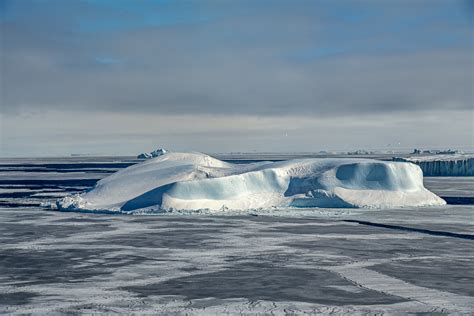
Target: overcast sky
(123, 77)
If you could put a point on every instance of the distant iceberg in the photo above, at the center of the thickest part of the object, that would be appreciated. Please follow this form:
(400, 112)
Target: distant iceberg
(193, 181)
(443, 165)
(153, 154)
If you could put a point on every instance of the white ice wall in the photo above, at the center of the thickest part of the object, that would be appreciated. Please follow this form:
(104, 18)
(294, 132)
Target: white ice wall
(443, 165)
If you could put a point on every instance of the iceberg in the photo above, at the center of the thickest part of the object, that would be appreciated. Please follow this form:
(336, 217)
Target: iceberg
(195, 181)
(153, 154)
(460, 165)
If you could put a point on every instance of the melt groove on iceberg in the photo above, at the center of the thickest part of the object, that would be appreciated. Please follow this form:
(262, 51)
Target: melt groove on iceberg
(194, 181)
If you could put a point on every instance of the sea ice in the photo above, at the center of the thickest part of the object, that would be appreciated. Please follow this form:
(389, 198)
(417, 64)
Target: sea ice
(191, 181)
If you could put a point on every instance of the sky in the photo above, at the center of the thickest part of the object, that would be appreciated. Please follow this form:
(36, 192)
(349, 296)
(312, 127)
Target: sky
(121, 77)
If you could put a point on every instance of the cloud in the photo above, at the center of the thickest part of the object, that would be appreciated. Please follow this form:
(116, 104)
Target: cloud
(234, 64)
(238, 62)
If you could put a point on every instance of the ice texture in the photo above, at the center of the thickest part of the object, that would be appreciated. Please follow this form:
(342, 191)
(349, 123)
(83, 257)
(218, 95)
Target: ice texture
(153, 154)
(194, 181)
(443, 165)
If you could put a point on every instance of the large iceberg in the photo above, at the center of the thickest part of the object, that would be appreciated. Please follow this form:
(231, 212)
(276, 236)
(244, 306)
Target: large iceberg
(192, 181)
(443, 165)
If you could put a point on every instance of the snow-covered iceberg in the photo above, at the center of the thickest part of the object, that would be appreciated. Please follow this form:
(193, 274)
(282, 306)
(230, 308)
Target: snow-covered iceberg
(153, 154)
(191, 181)
(443, 165)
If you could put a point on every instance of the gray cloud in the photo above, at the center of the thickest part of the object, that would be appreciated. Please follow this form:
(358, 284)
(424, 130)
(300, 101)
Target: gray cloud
(92, 76)
(242, 64)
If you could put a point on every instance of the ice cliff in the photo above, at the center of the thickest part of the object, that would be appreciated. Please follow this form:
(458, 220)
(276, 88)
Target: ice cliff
(192, 181)
(443, 165)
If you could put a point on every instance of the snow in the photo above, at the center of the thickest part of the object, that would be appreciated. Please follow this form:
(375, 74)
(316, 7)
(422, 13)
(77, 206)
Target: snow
(443, 165)
(193, 181)
(153, 154)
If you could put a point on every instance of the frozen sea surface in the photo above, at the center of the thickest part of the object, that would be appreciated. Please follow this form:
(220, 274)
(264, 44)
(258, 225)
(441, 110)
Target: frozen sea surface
(265, 261)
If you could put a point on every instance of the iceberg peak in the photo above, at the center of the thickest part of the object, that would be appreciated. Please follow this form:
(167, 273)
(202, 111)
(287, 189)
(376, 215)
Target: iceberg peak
(156, 153)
